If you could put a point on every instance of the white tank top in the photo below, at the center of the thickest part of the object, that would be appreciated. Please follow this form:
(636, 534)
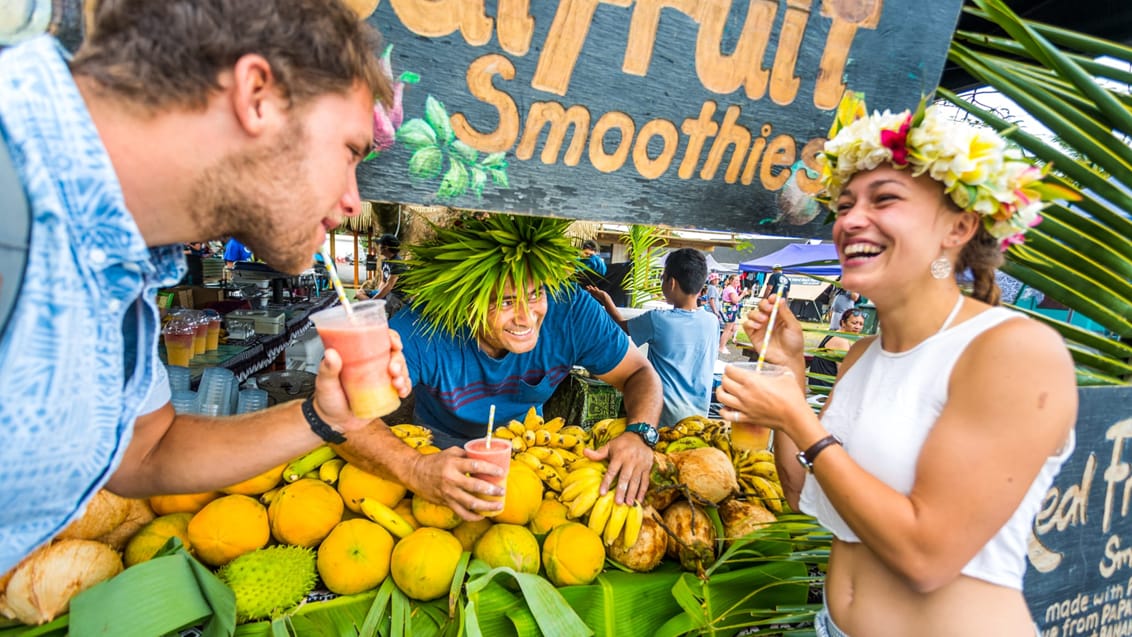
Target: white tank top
(883, 409)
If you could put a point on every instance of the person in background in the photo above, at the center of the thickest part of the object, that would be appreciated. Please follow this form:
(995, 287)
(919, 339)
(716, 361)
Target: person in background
(956, 395)
(843, 301)
(371, 261)
(508, 340)
(777, 278)
(852, 322)
(392, 267)
(195, 252)
(261, 130)
(682, 340)
(732, 303)
(591, 259)
(234, 252)
(714, 299)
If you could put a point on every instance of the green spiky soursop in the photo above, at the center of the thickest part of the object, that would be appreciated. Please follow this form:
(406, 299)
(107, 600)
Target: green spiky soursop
(269, 581)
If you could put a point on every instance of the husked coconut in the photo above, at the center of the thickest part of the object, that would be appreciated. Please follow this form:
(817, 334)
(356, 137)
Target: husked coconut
(741, 517)
(138, 515)
(660, 498)
(43, 584)
(707, 472)
(103, 514)
(648, 551)
(691, 536)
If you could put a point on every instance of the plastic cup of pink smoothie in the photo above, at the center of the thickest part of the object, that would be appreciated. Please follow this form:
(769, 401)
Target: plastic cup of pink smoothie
(363, 343)
(498, 454)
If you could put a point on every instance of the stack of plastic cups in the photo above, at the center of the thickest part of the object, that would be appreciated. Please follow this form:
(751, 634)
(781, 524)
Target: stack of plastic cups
(216, 394)
(184, 401)
(251, 400)
(179, 378)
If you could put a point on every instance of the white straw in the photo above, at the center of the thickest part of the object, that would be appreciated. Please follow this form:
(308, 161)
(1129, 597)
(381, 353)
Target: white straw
(770, 325)
(333, 272)
(490, 424)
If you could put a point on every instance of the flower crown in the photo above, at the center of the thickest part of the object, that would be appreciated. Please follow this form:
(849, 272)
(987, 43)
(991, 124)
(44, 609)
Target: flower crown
(979, 171)
(458, 273)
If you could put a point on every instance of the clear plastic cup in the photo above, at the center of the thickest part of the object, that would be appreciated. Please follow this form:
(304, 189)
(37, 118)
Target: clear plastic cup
(178, 334)
(745, 435)
(363, 343)
(498, 454)
(200, 333)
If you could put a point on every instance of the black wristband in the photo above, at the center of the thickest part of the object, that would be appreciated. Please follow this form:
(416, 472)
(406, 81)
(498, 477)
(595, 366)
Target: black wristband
(806, 458)
(319, 426)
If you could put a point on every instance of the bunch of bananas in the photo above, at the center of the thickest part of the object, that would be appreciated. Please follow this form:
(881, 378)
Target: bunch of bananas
(416, 436)
(758, 477)
(690, 432)
(606, 430)
(581, 493)
(549, 447)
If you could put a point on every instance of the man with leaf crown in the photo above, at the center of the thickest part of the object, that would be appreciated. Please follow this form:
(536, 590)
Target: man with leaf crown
(496, 319)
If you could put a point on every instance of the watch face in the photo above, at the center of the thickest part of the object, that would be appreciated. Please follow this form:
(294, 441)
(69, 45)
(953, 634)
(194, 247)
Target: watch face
(647, 432)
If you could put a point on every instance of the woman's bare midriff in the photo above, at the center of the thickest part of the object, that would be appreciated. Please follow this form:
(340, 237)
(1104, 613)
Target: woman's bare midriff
(866, 599)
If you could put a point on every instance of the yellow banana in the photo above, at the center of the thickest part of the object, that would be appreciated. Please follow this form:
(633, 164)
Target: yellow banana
(527, 458)
(517, 444)
(309, 461)
(329, 470)
(580, 474)
(550, 477)
(504, 433)
(532, 420)
(599, 428)
(428, 450)
(600, 512)
(407, 430)
(575, 430)
(529, 437)
(763, 455)
(386, 517)
(416, 442)
(568, 457)
(583, 502)
(554, 424)
(578, 487)
(267, 497)
(767, 470)
(539, 452)
(770, 493)
(616, 428)
(554, 458)
(311, 475)
(564, 441)
(615, 523)
(542, 437)
(633, 523)
(516, 427)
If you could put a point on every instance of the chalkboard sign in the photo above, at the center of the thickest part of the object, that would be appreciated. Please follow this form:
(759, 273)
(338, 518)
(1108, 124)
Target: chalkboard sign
(687, 113)
(1079, 579)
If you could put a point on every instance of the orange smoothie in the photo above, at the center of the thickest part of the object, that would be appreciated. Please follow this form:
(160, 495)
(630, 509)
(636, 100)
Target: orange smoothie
(179, 348)
(498, 454)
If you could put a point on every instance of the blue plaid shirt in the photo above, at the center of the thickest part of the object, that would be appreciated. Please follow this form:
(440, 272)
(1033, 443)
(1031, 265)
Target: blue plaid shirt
(79, 353)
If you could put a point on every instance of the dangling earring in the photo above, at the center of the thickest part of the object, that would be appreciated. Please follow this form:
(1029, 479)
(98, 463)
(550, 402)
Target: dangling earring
(941, 267)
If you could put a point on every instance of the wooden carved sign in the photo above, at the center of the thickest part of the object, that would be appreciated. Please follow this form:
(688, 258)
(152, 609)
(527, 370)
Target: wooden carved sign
(687, 113)
(1079, 580)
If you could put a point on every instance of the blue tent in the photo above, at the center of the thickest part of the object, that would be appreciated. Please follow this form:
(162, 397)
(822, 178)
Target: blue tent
(821, 260)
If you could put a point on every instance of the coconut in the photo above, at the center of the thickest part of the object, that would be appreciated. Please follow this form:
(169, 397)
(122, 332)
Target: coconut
(691, 536)
(741, 517)
(707, 473)
(138, 514)
(43, 584)
(648, 551)
(103, 514)
(660, 498)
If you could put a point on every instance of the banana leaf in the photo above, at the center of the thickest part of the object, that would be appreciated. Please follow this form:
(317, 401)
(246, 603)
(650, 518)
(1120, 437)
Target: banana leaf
(536, 608)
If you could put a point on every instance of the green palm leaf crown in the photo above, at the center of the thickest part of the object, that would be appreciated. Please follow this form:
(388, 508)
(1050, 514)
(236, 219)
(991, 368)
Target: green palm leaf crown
(454, 277)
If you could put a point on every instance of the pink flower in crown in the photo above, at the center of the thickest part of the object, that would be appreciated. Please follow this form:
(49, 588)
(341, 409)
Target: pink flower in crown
(897, 142)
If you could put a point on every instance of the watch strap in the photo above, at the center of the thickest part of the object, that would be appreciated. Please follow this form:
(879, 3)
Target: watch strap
(319, 426)
(642, 429)
(808, 456)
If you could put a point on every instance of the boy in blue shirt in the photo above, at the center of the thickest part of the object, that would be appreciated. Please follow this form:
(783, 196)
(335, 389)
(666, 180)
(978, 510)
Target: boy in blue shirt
(682, 341)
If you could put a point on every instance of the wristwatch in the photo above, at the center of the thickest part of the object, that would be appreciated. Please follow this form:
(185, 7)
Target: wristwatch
(806, 458)
(646, 431)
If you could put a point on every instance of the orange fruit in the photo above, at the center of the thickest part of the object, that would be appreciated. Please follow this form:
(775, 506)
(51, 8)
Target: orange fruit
(523, 496)
(304, 512)
(228, 527)
(181, 503)
(424, 563)
(355, 484)
(354, 558)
